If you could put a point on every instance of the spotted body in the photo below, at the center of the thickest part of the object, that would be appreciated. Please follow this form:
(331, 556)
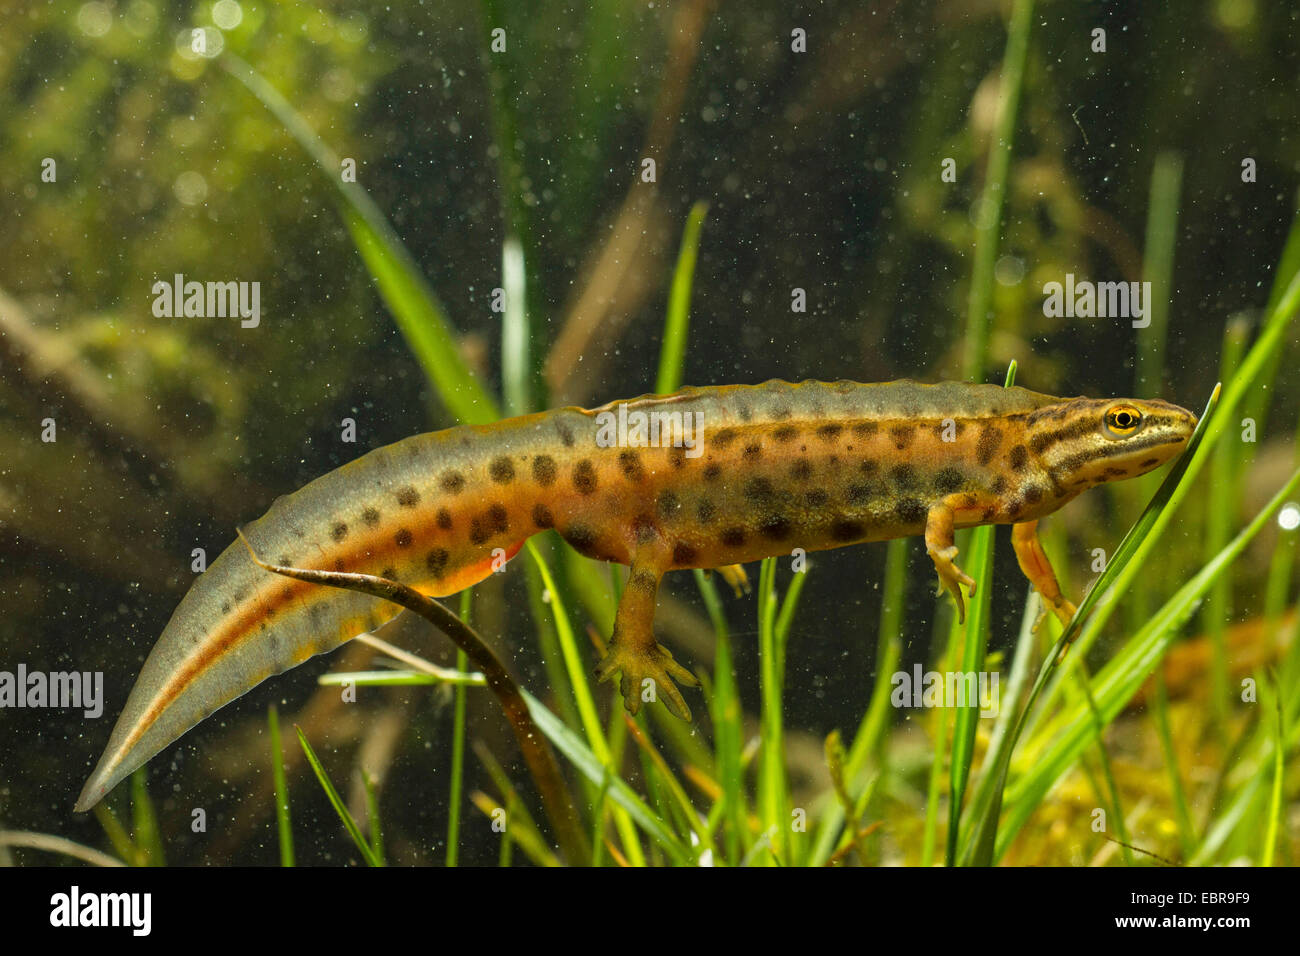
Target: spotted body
(772, 468)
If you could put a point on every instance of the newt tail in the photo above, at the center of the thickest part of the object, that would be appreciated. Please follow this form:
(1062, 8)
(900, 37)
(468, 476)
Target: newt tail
(704, 478)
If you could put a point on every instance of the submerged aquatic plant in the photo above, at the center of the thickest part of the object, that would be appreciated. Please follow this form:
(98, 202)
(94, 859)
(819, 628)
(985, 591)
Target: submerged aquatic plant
(646, 790)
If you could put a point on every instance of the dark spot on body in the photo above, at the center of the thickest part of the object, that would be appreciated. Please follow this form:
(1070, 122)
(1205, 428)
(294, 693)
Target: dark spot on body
(744, 411)
(582, 538)
(1018, 457)
(403, 538)
(988, 514)
(843, 530)
(1113, 472)
(584, 477)
(733, 537)
(775, 526)
(860, 494)
(829, 431)
(643, 526)
(817, 498)
(630, 462)
(437, 560)
(786, 433)
(478, 531)
(1034, 494)
(452, 482)
(706, 510)
(444, 519)
(869, 467)
(1149, 462)
(712, 472)
(684, 554)
(987, 445)
(677, 457)
(408, 497)
(566, 434)
(999, 485)
(753, 452)
(542, 517)
(903, 477)
(758, 489)
(801, 470)
(724, 437)
(498, 519)
(339, 531)
(947, 480)
(668, 505)
(544, 470)
(370, 516)
(502, 470)
(902, 435)
(910, 510)
(866, 429)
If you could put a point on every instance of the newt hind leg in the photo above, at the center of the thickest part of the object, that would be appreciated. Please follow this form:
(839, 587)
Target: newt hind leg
(647, 666)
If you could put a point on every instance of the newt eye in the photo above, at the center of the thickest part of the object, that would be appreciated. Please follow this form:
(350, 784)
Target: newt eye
(1122, 420)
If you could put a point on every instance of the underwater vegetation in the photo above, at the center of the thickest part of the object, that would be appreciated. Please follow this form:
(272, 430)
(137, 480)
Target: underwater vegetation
(248, 243)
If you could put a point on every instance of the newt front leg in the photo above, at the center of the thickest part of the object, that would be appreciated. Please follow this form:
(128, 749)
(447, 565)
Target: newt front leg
(633, 649)
(938, 542)
(1034, 563)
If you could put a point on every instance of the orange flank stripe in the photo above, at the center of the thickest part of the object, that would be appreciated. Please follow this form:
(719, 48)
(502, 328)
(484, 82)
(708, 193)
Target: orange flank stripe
(378, 550)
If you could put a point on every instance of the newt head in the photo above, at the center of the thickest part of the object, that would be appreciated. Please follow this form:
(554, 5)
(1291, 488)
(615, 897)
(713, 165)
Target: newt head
(1090, 441)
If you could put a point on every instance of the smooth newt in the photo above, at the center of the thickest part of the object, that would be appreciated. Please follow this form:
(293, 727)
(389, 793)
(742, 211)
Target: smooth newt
(771, 468)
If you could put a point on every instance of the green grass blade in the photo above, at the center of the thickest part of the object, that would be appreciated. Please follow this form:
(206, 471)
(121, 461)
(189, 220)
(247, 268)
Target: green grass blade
(1279, 771)
(148, 839)
(516, 365)
(772, 796)
(336, 801)
(457, 788)
(427, 330)
(594, 769)
(1135, 551)
(576, 669)
(979, 565)
(988, 213)
(1137, 543)
(1220, 510)
(520, 827)
(401, 678)
(1182, 815)
(418, 313)
(1158, 269)
(728, 727)
(1112, 788)
(372, 815)
(1000, 739)
(673, 351)
(117, 835)
(1125, 673)
(868, 742)
(283, 826)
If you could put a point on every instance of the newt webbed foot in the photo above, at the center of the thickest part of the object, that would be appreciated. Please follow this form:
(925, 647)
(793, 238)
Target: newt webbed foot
(951, 578)
(641, 663)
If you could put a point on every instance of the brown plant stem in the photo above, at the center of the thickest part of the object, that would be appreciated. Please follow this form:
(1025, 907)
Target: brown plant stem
(556, 799)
